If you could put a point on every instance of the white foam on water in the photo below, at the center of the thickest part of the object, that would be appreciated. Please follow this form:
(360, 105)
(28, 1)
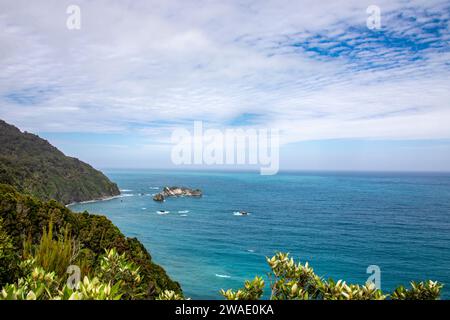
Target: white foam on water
(183, 215)
(183, 211)
(100, 200)
(222, 275)
(237, 213)
(124, 195)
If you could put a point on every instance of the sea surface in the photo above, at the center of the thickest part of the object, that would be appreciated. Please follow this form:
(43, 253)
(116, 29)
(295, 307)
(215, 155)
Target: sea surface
(339, 222)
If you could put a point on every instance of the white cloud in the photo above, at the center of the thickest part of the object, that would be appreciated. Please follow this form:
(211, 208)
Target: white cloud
(137, 63)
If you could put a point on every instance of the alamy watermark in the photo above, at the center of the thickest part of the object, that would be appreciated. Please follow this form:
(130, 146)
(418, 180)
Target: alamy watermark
(375, 275)
(373, 21)
(227, 147)
(73, 21)
(73, 281)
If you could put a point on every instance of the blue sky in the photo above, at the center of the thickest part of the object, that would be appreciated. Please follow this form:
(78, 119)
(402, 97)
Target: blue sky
(343, 96)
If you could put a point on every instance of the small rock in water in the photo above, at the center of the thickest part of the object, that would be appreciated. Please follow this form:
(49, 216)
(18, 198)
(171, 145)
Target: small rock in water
(177, 192)
(158, 197)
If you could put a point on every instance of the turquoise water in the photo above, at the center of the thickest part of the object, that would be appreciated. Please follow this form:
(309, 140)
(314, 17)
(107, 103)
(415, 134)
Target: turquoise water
(340, 222)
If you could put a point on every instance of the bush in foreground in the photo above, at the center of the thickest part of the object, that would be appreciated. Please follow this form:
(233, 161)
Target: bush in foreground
(24, 224)
(295, 281)
(117, 278)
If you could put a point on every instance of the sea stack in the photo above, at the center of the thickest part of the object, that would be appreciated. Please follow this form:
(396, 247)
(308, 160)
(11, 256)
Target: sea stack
(177, 192)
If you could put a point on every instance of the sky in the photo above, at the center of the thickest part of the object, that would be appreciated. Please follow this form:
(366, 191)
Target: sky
(343, 96)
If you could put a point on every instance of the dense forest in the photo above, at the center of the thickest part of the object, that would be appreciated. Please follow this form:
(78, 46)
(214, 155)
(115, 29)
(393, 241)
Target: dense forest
(40, 238)
(25, 221)
(33, 166)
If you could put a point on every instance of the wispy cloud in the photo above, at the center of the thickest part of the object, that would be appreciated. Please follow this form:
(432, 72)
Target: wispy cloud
(311, 68)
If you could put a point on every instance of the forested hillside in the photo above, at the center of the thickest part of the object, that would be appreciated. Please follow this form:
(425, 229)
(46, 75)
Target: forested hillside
(24, 218)
(33, 166)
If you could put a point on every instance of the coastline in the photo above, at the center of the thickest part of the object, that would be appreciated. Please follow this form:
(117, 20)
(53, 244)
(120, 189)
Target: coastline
(95, 200)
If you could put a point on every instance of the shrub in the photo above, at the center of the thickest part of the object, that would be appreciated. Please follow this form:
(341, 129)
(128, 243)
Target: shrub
(91, 289)
(42, 285)
(45, 277)
(428, 290)
(117, 279)
(296, 281)
(38, 284)
(169, 295)
(253, 290)
(52, 254)
(8, 257)
(115, 268)
(25, 217)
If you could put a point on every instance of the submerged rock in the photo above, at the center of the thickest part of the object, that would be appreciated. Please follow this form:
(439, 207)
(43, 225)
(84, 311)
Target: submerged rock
(158, 197)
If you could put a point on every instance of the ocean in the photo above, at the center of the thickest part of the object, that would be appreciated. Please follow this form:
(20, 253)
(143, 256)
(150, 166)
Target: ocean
(339, 222)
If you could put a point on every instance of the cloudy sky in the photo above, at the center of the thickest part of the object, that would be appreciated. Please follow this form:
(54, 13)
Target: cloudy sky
(344, 96)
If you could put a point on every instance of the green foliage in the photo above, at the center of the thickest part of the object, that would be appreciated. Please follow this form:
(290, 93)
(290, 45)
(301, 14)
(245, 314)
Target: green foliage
(428, 290)
(8, 257)
(296, 281)
(331, 290)
(34, 166)
(38, 284)
(116, 269)
(42, 285)
(290, 280)
(52, 254)
(91, 289)
(117, 278)
(169, 295)
(25, 218)
(252, 290)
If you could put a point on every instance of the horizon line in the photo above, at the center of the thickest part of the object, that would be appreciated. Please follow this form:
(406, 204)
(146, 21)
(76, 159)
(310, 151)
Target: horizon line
(256, 170)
